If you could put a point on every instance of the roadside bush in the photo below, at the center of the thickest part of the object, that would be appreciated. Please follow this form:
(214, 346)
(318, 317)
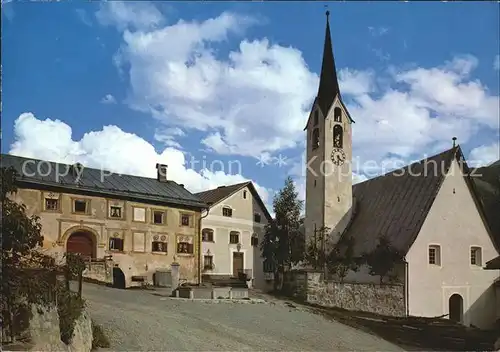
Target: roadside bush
(99, 338)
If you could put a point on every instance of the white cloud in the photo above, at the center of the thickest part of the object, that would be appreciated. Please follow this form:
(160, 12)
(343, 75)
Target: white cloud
(378, 31)
(177, 76)
(134, 15)
(108, 99)
(496, 63)
(484, 155)
(114, 150)
(422, 108)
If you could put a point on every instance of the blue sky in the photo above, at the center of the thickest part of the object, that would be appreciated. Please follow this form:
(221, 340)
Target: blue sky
(126, 85)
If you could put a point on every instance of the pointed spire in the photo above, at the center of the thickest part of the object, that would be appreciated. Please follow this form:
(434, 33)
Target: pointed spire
(328, 83)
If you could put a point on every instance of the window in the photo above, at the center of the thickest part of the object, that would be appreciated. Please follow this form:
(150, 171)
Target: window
(475, 256)
(157, 246)
(338, 136)
(315, 138)
(256, 217)
(208, 262)
(115, 244)
(337, 115)
(254, 240)
(316, 118)
(158, 217)
(139, 214)
(244, 194)
(80, 206)
(268, 266)
(51, 204)
(226, 211)
(185, 220)
(207, 235)
(115, 212)
(185, 244)
(234, 237)
(434, 255)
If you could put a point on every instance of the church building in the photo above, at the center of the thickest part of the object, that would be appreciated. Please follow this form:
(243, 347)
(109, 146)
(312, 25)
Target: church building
(435, 212)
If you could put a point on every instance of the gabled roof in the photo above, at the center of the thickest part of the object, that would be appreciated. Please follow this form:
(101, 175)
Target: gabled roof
(40, 174)
(487, 185)
(214, 196)
(397, 203)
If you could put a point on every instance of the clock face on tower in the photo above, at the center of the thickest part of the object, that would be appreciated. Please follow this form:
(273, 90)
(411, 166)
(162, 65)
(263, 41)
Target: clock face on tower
(338, 156)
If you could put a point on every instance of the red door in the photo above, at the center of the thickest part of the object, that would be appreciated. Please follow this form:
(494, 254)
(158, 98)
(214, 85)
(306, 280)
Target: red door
(81, 242)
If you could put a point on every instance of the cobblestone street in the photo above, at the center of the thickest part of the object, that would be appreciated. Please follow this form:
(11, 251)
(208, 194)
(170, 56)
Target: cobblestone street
(136, 320)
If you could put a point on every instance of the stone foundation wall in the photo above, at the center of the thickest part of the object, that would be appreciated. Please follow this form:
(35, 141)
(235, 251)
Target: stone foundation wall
(385, 299)
(44, 334)
(100, 271)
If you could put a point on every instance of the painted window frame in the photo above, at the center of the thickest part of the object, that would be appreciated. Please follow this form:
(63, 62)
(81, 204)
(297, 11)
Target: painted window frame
(162, 238)
(227, 207)
(87, 202)
(205, 229)
(234, 233)
(476, 248)
(438, 255)
(163, 217)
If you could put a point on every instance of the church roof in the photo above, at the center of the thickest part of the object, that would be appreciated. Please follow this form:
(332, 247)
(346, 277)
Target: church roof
(397, 203)
(487, 182)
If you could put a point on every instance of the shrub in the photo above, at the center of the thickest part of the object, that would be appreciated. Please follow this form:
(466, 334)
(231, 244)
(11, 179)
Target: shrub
(99, 338)
(69, 307)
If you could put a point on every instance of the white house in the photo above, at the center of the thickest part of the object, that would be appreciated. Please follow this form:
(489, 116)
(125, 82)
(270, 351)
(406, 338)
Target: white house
(431, 211)
(232, 233)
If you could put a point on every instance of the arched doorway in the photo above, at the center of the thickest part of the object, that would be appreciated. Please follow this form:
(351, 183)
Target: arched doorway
(81, 242)
(456, 308)
(118, 278)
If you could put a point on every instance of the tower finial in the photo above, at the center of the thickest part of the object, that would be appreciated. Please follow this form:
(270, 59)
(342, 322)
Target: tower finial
(327, 14)
(454, 139)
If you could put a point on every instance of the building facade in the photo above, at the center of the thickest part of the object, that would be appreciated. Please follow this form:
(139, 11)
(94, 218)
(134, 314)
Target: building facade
(140, 224)
(430, 211)
(232, 233)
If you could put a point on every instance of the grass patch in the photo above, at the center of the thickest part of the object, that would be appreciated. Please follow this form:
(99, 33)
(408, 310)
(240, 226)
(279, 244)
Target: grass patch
(99, 338)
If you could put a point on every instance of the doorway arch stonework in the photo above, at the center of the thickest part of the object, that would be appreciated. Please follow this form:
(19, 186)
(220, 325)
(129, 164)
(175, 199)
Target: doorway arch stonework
(81, 239)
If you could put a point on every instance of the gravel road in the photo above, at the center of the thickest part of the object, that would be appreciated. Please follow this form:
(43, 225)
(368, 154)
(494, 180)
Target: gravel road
(137, 320)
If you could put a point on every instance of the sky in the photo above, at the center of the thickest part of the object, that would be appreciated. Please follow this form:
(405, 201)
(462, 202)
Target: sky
(221, 91)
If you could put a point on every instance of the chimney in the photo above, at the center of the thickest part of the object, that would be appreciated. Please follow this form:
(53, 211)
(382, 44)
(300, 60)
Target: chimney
(161, 173)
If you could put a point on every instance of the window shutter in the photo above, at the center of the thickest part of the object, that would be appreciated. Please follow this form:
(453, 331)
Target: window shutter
(191, 248)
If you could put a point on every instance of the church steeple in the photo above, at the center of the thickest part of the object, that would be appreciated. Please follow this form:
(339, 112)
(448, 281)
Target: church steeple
(328, 83)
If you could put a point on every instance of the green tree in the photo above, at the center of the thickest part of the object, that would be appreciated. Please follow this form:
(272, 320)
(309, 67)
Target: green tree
(341, 259)
(317, 250)
(283, 243)
(20, 235)
(383, 259)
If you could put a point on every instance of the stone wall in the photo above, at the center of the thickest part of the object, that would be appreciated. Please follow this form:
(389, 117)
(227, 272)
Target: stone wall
(100, 271)
(44, 334)
(385, 299)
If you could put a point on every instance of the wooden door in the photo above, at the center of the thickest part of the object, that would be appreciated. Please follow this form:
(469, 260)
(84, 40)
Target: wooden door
(237, 263)
(81, 242)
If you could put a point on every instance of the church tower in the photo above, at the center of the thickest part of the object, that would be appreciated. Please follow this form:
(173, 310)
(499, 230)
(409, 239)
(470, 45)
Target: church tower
(329, 155)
